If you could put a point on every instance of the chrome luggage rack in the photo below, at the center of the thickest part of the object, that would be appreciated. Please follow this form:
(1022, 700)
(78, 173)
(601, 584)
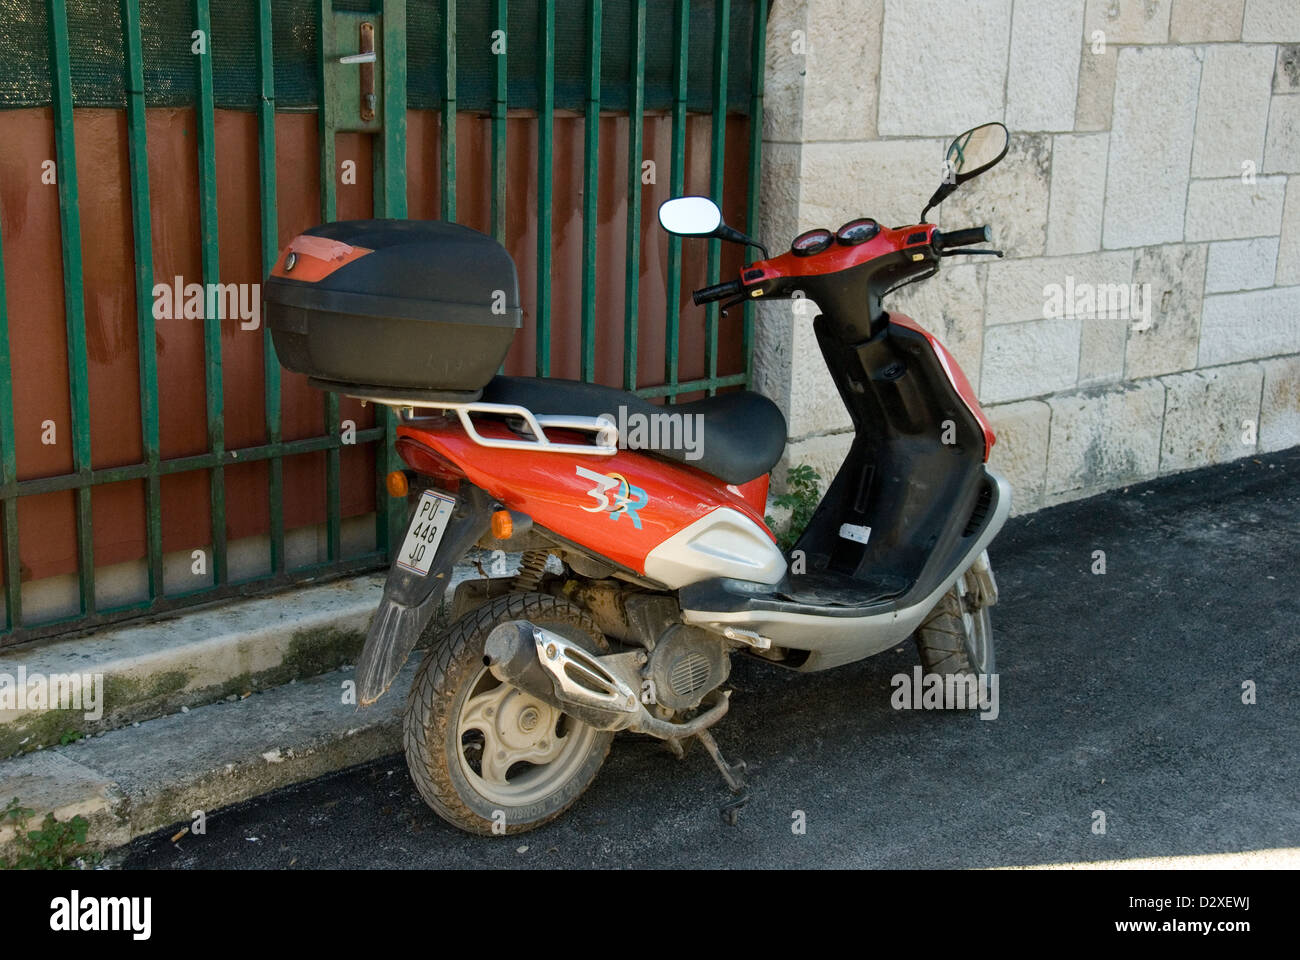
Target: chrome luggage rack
(604, 429)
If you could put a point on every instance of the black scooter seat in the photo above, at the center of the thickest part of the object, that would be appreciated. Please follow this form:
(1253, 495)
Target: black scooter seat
(743, 433)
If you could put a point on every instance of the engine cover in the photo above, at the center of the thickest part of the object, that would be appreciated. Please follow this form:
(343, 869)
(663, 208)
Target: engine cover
(685, 664)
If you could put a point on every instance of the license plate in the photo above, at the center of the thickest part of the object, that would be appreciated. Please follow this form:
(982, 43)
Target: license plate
(427, 527)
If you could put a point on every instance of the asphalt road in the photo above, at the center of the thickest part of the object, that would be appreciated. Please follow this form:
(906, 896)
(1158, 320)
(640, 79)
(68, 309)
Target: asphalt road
(1119, 692)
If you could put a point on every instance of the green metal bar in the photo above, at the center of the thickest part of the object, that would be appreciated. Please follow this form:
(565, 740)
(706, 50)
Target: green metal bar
(200, 461)
(758, 66)
(449, 113)
(718, 143)
(690, 386)
(390, 179)
(333, 490)
(328, 164)
(328, 213)
(13, 568)
(632, 275)
(9, 468)
(591, 190)
(545, 174)
(74, 305)
(270, 246)
(498, 214)
(138, 163)
(390, 514)
(211, 259)
(677, 186)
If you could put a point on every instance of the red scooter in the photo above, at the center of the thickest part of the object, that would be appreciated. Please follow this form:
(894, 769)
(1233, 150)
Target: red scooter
(646, 561)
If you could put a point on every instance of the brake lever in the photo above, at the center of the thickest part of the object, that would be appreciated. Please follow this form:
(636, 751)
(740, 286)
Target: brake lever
(960, 252)
(722, 308)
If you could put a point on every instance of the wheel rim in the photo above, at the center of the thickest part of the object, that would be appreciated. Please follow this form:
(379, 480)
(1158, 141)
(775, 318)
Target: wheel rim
(977, 634)
(513, 748)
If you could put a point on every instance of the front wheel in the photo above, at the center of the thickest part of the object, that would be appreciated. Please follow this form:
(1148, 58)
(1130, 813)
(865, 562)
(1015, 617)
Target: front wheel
(489, 758)
(956, 637)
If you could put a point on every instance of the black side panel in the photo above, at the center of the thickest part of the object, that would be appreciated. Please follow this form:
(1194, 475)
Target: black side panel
(901, 479)
(410, 600)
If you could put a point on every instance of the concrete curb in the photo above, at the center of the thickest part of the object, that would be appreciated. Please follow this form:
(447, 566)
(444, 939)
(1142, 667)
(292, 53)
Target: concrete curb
(138, 779)
(157, 667)
(203, 709)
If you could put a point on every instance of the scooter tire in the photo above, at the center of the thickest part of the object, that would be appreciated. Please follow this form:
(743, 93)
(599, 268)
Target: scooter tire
(955, 638)
(451, 670)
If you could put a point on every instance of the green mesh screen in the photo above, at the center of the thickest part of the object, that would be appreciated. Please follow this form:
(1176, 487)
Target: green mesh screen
(97, 60)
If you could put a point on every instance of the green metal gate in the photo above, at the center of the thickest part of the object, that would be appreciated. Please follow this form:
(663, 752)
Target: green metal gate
(424, 62)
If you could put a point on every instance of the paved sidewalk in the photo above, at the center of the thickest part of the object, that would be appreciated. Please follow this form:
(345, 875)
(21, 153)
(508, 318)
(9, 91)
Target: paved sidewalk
(1120, 693)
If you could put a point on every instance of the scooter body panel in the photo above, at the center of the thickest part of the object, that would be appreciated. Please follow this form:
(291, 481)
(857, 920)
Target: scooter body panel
(660, 519)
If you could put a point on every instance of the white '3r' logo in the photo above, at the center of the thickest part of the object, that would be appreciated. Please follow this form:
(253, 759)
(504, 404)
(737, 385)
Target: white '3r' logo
(600, 492)
(626, 500)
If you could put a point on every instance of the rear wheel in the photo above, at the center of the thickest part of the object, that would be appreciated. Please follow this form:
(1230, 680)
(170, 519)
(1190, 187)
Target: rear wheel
(957, 635)
(489, 758)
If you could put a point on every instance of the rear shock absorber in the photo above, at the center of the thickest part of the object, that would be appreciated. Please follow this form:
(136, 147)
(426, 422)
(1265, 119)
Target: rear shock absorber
(532, 567)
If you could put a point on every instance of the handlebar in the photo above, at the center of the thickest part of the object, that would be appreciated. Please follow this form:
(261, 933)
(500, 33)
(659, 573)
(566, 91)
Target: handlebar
(962, 238)
(942, 242)
(719, 291)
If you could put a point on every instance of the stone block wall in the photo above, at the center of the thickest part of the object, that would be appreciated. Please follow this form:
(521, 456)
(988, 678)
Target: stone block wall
(1155, 146)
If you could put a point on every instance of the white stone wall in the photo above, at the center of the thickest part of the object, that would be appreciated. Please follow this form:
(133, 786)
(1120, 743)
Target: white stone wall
(1154, 142)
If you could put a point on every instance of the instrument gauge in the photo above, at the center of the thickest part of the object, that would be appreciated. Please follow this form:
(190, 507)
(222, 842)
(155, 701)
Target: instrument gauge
(857, 231)
(812, 242)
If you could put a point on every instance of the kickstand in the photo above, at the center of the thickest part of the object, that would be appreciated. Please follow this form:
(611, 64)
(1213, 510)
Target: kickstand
(733, 773)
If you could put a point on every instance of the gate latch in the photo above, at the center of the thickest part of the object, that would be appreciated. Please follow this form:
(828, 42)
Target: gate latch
(366, 60)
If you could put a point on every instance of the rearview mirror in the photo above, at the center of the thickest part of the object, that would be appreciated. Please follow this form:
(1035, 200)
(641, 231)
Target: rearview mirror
(976, 150)
(700, 217)
(690, 216)
(969, 155)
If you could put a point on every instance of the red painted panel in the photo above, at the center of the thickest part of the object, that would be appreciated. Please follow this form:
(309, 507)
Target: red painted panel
(652, 500)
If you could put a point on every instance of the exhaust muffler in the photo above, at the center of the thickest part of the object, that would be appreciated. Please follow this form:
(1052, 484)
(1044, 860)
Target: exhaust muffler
(559, 672)
(562, 674)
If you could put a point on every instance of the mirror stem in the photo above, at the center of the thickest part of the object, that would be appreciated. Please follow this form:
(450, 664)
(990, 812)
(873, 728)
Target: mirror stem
(733, 235)
(945, 190)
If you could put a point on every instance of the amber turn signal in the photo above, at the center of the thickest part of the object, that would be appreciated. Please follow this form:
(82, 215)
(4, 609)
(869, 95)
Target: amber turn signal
(502, 525)
(397, 485)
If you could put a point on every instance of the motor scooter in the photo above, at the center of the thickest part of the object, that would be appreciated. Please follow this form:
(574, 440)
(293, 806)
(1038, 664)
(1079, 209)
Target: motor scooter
(646, 563)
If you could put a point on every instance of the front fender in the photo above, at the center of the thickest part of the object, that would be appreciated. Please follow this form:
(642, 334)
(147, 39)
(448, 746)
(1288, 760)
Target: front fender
(410, 600)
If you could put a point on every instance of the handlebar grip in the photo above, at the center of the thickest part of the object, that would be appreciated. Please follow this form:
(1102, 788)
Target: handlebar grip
(962, 238)
(719, 291)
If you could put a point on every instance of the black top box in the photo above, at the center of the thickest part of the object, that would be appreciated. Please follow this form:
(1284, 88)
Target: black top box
(402, 309)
